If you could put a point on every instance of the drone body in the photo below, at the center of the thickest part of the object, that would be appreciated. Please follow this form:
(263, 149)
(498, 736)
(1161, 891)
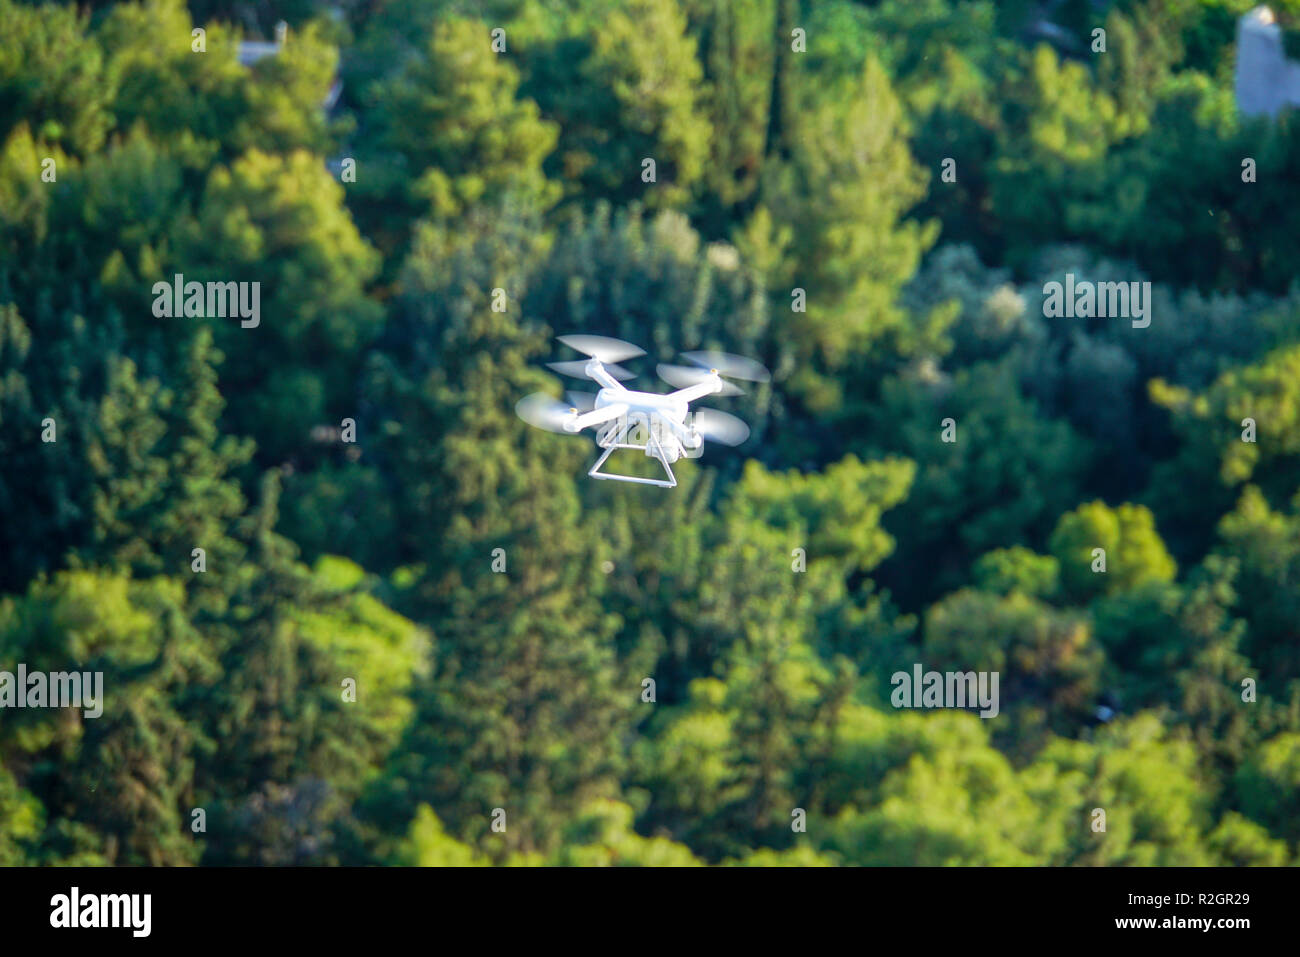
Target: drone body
(660, 424)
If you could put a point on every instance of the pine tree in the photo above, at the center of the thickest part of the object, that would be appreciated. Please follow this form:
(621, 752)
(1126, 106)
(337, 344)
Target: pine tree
(526, 707)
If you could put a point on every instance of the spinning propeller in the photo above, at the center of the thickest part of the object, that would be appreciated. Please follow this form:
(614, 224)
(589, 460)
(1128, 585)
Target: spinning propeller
(545, 412)
(704, 364)
(715, 426)
(577, 368)
(603, 347)
(605, 350)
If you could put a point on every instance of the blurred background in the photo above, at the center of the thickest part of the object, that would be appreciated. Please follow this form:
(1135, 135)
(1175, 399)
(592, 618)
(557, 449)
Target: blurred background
(866, 196)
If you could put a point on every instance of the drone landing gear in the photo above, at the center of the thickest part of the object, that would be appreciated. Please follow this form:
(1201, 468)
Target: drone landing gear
(616, 438)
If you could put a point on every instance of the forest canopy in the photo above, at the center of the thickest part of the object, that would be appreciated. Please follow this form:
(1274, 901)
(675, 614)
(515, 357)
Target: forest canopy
(352, 609)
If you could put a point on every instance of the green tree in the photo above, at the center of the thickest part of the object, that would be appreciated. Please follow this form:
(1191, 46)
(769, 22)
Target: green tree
(1134, 552)
(21, 821)
(1047, 660)
(281, 222)
(315, 690)
(209, 107)
(624, 92)
(446, 130)
(1268, 783)
(603, 837)
(1007, 476)
(50, 69)
(429, 845)
(1017, 569)
(735, 50)
(843, 195)
(526, 704)
(1145, 781)
(118, 781)
(1266, 546)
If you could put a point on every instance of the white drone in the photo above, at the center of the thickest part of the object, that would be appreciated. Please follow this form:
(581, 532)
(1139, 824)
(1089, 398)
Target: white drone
(661, 425)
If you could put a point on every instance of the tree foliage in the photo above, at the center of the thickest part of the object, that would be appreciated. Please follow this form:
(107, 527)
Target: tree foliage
(346, 604)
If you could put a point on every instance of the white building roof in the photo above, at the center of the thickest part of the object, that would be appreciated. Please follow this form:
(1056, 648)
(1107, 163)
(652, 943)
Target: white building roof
(1266, 81)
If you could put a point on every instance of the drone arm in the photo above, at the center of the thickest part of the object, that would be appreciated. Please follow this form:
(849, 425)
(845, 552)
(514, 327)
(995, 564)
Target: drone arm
(597, 372)
(698, 391)
(595, 417)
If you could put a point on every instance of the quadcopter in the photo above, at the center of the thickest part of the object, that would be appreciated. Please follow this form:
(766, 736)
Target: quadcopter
(660, 424)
